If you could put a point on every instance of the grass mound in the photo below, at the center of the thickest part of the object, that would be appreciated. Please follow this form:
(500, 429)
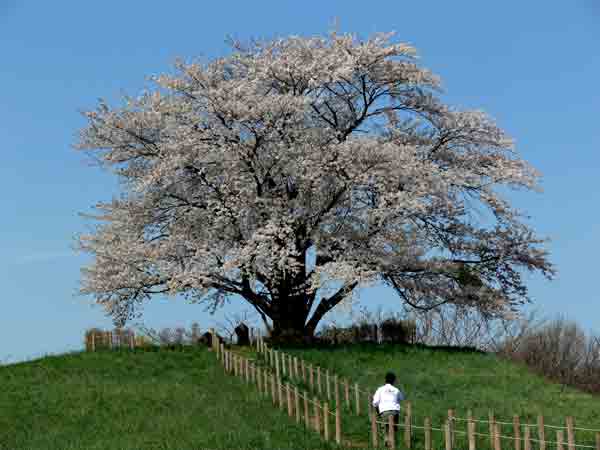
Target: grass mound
(165, 399)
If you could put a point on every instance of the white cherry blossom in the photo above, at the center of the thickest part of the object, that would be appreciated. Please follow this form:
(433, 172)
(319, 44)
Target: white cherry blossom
(237, 170)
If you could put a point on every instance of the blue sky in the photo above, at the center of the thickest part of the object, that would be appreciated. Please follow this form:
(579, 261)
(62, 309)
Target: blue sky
(534, 66)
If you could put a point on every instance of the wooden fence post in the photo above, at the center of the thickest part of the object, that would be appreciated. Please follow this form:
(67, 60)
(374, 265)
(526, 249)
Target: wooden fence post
(317, 415)
(266, 381)
(447, 436)
(497, 445)
(326, 421)
(306, 415)
(560, 439)
(570, 433)
(289, 400)
(277, 372)
(408, 425)
(132, 339)
(336, 389)
(297, 404)
(280, 393)
(311, 382)
(541, 432)
(374, 434)
(427, 431)
(296, 374)
(597, 441)
(273, 390)
(110, 339)
(283, 364)
(491, 423)
(527, 438)
(452, 424)
(328, 385)
(338, 424)
(93, 341)
(259, 380)
(517, 431)
(303, 367)
(471, 433)
(392, 433)
(347, 394)
(247, 371)
(319, 388)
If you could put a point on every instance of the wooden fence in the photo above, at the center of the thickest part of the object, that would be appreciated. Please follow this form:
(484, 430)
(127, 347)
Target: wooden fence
(96, 339)
(315, 414)
(328, 397)
(522, 436)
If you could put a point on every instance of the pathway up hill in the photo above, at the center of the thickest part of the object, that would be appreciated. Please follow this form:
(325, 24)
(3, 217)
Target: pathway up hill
(165, 399)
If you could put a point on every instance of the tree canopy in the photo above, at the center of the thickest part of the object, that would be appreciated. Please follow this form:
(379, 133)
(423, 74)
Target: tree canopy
(293, 171)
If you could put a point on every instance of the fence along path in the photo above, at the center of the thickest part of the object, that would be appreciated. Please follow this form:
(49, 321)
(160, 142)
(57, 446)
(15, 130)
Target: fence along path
(522, 437)
(315, 415)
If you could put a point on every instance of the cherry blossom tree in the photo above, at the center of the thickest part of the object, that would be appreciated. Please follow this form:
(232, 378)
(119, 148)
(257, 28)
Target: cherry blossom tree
(292, 172)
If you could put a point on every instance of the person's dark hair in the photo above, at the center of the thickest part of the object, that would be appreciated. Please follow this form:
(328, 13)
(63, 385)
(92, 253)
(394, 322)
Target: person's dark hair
(390, 378)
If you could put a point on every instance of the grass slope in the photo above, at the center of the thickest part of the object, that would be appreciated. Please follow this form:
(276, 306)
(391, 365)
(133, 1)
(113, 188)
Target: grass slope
(163, 399)
(436, 380)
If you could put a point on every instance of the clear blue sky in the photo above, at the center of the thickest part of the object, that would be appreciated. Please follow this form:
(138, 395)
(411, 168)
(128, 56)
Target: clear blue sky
(534, 66)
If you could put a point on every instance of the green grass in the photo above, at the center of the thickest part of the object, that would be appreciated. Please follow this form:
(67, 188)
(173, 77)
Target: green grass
(163, 399)
(436, 380)
(182, 399)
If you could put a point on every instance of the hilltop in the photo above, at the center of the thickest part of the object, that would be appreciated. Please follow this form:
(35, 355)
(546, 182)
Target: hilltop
(164, 399)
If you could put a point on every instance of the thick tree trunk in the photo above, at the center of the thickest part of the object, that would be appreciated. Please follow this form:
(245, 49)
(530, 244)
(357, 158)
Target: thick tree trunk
(289, 317)
(290, 330)
(290, 314)
(289, 320)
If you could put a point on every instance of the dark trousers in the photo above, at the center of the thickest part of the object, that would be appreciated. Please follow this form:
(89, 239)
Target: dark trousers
(384, 417)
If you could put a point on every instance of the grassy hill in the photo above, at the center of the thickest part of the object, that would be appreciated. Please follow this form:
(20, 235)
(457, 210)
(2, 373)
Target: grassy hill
(171, 399)
(436, 380)
(143, 400)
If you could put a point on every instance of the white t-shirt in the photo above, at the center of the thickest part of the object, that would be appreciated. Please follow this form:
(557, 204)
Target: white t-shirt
(387, 398)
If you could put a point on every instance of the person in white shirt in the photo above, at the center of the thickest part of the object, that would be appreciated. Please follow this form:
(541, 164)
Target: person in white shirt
(387, 400)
